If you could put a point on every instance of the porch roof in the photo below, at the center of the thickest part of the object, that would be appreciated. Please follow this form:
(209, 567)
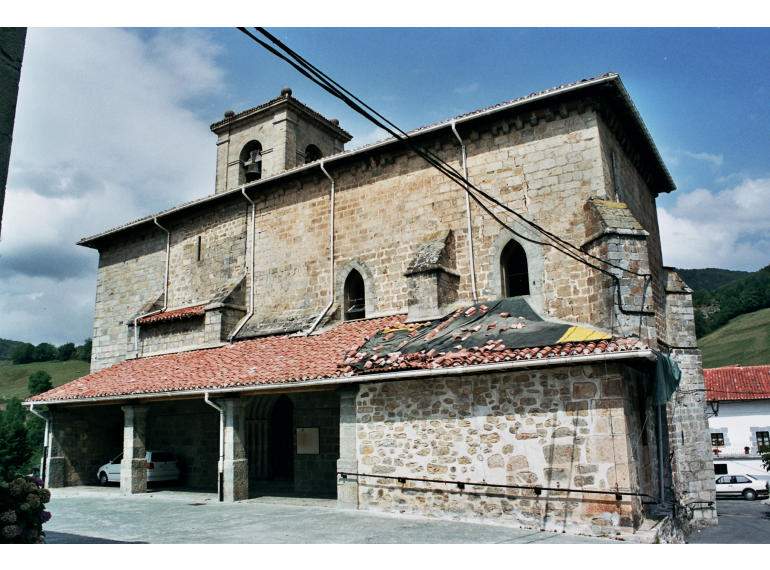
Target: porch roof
(481, 338)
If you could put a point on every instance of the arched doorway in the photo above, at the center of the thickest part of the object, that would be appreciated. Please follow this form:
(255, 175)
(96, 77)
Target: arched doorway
(281, 446)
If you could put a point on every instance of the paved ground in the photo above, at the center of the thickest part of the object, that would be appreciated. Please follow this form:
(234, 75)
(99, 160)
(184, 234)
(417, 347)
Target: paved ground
(99, 515)
(740, 522)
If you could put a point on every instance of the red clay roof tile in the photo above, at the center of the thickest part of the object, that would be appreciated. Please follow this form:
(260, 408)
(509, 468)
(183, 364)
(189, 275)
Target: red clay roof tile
(737, 383)
(269, 360)
(175, 315)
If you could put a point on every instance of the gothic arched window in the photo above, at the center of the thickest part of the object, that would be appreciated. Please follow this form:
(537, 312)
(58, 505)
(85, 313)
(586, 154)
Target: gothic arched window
(355, 296)
(312, 153)
(513, 269)
(251, 162)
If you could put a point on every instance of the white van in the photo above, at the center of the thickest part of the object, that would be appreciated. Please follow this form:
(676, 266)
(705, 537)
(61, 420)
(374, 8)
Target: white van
(161, 466)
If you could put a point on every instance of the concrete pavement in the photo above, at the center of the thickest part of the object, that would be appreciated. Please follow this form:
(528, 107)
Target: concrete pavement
(102, 515)
(740, 522)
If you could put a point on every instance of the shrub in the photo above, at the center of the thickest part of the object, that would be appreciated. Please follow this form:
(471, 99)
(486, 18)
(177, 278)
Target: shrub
(39, 382)
(15, 451)
(22, 510)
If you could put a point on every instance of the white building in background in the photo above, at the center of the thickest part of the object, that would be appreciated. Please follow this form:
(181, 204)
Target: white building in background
(739, 422)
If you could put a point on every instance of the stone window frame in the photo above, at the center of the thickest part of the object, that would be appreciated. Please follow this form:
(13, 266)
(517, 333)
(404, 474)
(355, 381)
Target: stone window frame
(339, 287)
(535, 265)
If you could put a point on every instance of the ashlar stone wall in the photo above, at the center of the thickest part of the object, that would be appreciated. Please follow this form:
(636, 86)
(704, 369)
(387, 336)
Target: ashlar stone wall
(571, 427)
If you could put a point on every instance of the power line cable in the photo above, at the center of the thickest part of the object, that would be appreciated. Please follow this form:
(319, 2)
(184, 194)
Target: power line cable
(331, 85)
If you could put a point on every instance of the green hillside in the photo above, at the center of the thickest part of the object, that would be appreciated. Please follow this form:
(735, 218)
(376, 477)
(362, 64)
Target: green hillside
(711, 278)
(13, 377)
(743, 340)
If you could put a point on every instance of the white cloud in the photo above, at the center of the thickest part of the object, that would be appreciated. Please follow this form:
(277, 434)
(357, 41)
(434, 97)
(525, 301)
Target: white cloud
(375, 135)
(104, 134)
(715, 159)
(728, 229)
(466, 89)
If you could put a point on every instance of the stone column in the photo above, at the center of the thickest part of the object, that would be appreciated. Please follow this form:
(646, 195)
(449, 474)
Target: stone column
(236, 464)
(55, 472)
(133, 468)
(347, 489)
(692, 466)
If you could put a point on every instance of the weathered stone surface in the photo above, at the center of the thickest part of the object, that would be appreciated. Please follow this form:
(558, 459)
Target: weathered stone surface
(441, 443)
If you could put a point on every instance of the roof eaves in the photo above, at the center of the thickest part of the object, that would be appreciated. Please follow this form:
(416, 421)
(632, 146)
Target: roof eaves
(513, 103)
(645, 354)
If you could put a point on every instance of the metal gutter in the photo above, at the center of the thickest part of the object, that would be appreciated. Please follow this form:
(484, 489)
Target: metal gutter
(645, 354)
(609, 78)
(331, 252)
(471, 258)
(252, 263)
(46, 437)
(165, 287)
(221, 462)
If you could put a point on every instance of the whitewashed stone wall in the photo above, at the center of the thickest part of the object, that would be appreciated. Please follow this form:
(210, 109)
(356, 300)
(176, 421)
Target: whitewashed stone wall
(564, 427)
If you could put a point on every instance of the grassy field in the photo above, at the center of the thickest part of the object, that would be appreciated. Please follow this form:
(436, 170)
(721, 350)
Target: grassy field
(743, 340)
(13, 377)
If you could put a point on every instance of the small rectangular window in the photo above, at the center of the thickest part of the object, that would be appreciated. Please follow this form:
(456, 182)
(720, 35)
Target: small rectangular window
(720, 468)
(198, 249)
(718, 439)
(763, 439)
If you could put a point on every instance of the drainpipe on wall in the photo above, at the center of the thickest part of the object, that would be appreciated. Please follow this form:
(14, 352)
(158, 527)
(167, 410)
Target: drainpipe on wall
(659, 442)
(43, 459)
(331, 253)
(165, 288)
(464, 156)
(221, 462)
(252, 246)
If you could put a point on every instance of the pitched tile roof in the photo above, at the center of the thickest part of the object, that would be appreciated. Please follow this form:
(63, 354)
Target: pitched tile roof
(506, 330)
(175, 315)
(270, 360)
(737, 383)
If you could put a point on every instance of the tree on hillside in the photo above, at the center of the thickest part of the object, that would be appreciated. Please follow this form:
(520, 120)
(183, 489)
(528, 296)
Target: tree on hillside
(84, 351)
(45, 352)
(15, 450)
(65, 352)
(23, 353)
(39, 382)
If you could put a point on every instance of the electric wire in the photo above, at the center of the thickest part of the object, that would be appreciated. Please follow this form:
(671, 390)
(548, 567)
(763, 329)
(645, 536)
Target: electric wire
(330, 86)
(456, 175)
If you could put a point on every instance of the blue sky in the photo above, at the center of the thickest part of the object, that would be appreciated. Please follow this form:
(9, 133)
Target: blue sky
(704, 92)
(122, 116)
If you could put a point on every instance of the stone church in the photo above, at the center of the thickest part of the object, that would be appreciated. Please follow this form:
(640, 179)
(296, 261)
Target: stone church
(349, 324)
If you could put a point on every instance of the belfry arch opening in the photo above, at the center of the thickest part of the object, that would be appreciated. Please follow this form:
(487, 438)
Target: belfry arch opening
(514, 270)
(312, 153)
(251, 162)
(355, 296)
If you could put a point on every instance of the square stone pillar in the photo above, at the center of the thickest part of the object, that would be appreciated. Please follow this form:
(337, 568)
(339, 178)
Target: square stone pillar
(236, 465)
(133, 468)
(347, 488)
(55, 471)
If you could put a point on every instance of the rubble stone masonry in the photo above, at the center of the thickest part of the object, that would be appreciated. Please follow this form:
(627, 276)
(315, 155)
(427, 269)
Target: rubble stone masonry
(570, 427)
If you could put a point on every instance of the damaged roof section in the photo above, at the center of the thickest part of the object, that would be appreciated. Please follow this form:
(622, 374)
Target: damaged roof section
(504, 330)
